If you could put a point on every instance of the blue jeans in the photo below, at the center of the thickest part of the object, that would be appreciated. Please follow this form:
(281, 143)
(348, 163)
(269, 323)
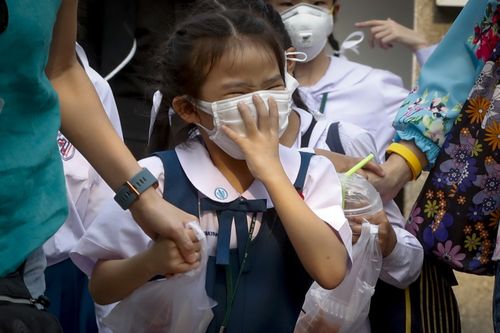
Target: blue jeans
(496, 300)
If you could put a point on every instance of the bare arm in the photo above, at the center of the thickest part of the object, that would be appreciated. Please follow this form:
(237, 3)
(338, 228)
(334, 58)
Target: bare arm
(384, 33)
(397, 172)
(113, 280)
(85, 124)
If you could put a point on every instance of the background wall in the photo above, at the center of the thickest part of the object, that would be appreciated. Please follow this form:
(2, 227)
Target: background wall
(397, 59)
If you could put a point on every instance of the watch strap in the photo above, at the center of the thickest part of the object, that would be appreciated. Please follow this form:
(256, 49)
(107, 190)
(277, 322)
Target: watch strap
(134, 187)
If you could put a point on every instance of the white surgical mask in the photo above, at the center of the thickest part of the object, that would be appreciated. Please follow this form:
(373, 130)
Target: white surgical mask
(309, 27)
(225, 112)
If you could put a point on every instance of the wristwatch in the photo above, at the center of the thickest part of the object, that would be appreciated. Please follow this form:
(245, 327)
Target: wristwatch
(132, 189)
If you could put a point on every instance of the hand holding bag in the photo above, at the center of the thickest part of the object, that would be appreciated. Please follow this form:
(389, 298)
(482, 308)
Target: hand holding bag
(176, 304)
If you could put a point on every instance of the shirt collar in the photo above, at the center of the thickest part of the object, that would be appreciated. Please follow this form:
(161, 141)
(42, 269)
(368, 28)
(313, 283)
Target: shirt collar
(207, 179)
(341, 73)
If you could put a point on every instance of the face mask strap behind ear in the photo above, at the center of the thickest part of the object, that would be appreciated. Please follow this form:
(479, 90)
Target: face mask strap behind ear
(302, 56)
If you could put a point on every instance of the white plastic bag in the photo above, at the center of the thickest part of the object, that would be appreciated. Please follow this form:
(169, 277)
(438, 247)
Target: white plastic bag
(345, 308)
(176, 304)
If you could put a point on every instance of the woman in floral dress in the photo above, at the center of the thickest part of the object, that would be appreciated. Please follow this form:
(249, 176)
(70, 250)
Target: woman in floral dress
(450, 125)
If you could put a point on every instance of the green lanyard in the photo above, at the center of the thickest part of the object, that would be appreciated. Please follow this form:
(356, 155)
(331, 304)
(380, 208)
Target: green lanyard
(324, 98)
(231, 290)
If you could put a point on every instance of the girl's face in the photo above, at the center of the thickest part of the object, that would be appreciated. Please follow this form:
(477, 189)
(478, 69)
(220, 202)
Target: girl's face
(281, 5)
(240, 71)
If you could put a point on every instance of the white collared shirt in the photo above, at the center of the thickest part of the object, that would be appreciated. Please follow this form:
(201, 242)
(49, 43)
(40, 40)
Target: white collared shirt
(403, 265)
(361, 95)
(114, 234)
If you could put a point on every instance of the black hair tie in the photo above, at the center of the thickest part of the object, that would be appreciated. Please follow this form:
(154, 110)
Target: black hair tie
(4, 16)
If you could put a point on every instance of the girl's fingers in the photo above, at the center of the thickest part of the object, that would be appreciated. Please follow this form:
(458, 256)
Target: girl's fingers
(273, 115)
(231, 133)
(369, 23)
(377, 29)
(185, 267)
(262, 113)
(248, 121)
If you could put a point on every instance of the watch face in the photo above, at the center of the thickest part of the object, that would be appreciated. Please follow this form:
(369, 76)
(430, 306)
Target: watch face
(4, 16)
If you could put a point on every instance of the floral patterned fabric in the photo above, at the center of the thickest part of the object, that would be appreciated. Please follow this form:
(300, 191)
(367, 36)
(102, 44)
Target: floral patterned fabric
(429, 112)
(457, 214)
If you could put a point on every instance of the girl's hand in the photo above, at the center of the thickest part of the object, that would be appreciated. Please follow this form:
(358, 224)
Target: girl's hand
(386, 235)
(385, 33)
(260, 145)
(157, 217)
(166, 259)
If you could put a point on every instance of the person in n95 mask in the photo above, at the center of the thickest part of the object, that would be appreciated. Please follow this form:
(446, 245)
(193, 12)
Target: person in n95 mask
(333, 86)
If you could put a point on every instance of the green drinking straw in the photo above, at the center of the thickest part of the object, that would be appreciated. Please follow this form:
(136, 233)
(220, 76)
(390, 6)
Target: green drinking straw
(352, 170)
(359, 165)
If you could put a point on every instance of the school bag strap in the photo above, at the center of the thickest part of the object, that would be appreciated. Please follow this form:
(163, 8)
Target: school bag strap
(305, 159)
(333, 139)
(307, 135)
(177, 189)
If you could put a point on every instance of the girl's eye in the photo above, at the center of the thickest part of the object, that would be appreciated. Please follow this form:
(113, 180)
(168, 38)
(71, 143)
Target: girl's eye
(320, 3)
(285, 4)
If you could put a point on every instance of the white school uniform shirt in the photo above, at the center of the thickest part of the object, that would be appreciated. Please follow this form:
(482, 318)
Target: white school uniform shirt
(114, 234)
(403, 265)
(361, 95)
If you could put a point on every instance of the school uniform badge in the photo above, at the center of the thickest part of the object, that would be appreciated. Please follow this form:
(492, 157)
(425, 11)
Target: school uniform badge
(66, 149)
(220, 193)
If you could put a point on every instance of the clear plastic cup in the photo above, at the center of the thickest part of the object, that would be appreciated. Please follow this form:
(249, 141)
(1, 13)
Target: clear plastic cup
(360, 197)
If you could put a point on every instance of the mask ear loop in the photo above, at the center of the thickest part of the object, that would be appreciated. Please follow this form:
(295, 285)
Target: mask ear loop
(352, 43)
(302, 58)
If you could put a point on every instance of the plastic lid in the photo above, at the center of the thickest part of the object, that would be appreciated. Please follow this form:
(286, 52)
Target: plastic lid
(360, 197)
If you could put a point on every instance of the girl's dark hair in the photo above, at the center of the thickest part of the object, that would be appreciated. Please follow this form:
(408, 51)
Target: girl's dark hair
(191, 52)
(333, 42)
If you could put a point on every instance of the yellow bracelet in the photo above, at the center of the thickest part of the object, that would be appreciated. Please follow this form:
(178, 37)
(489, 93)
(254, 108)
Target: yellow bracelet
(409, 156)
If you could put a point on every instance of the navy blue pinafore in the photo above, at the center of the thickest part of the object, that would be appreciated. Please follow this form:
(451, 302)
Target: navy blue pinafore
(273, 283)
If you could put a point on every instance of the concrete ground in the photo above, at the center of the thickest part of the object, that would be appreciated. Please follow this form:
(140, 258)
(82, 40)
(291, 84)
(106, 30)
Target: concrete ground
(474, 293)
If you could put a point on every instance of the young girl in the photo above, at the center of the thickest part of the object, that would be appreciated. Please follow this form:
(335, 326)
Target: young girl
(340, 89)
(271, 215)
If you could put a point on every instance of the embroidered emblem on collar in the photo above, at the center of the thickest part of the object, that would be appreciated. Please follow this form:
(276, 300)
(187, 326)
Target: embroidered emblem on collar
(220, 193)
(66, 149)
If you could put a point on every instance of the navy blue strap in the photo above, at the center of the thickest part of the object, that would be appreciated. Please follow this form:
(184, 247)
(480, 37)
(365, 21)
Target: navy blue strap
(305, 159)
(304, 141)
(333, 139)
(178, 190)
(226, 212)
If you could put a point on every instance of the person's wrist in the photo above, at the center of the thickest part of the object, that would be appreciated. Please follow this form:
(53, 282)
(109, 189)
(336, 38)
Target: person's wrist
(132, 189)
(409, 156)
(398, 169)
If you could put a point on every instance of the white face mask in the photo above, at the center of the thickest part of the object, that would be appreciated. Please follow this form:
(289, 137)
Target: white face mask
(309, 27)
(225, 112)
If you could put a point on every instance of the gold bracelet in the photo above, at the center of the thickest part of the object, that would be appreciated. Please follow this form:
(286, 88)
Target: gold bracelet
(409, 156)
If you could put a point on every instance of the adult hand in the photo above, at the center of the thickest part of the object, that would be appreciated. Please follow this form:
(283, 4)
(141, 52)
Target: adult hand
(165, 258)
(158, 217)
(397, 175)
(343, 163)
(384, 33)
